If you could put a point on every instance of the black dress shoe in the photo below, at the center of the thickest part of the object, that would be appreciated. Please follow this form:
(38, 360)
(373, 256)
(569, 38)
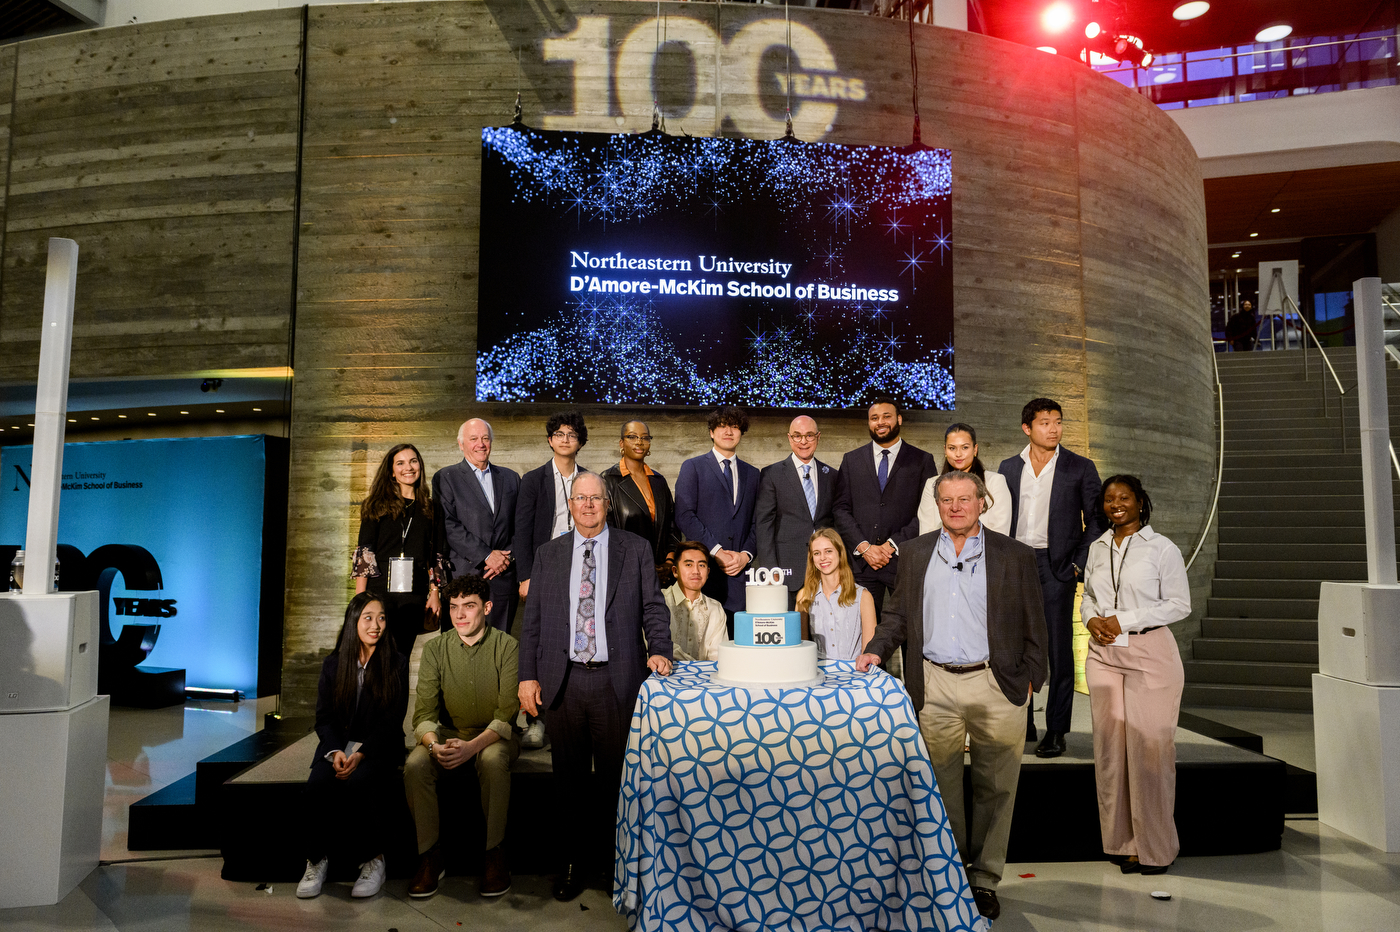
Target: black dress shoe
(569, 885)
(1052, 745)
(1130, 865)
(987, 903)
(1154, 870)
(1118, 860)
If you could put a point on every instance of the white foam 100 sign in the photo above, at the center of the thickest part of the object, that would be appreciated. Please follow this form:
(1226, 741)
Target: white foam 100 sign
(769, 631)
(765, 576)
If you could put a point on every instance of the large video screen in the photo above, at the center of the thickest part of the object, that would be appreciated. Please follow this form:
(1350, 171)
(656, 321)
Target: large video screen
(665, 270)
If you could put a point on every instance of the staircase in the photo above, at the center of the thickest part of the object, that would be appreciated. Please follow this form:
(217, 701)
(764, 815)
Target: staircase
(1291, 516)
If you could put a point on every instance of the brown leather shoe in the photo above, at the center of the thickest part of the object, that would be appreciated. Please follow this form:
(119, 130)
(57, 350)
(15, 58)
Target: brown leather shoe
(497, 879)
(430, 871)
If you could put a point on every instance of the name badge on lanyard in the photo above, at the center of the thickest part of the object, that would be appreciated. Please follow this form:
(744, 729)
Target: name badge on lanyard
(401, 567)
(400, 574)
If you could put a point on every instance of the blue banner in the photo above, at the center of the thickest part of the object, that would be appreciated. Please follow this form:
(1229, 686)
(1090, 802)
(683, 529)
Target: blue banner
(197, 506)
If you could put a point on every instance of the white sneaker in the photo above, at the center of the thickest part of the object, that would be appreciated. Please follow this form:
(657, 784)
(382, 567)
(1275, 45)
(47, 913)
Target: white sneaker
(533, 739)
(371, 878)
(313, 879)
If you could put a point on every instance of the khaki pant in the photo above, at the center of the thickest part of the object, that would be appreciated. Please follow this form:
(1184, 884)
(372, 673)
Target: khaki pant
(1135, 695)
(972, 706)
(420, 779)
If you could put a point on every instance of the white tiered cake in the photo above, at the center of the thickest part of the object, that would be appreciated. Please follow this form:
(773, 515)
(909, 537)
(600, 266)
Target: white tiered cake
(767, 650)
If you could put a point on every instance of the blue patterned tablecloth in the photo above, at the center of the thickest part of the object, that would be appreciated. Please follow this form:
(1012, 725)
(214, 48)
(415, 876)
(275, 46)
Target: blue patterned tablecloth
(798, 809)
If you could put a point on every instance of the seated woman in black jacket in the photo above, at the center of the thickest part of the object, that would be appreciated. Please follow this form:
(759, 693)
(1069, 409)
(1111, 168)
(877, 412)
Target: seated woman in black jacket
(360, 707)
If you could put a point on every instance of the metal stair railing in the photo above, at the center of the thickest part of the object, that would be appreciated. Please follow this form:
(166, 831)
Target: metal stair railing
(1307, 376)
(1220, 460)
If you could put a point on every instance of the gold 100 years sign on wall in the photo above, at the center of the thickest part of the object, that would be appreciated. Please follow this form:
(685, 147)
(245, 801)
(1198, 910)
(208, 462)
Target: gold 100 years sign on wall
(754, 64)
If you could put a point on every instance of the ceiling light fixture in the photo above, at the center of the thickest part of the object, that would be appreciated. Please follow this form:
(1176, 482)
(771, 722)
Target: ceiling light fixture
(1092, 30)
(1273, 33)
(1252, 235)
(1190, 10)
(150, 414)
(1275, 210)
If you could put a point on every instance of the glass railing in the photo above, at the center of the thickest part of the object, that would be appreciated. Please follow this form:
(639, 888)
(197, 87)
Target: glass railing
(1289, 68)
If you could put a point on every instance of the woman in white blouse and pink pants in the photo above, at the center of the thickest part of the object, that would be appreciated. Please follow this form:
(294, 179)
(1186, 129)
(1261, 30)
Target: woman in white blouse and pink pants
(1134, 587)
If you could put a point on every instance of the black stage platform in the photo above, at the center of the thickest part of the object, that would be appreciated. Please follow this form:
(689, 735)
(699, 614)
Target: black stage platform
(245, 801)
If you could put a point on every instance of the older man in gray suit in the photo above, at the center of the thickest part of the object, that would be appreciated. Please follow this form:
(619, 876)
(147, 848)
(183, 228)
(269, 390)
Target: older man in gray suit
(477, 499)
(794, 499)
(595, 625)
(966, 608)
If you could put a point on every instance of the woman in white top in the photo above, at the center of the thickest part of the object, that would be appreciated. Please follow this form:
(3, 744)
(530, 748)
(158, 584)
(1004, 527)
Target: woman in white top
(1134, 587)
(960, 453)
(839, 614)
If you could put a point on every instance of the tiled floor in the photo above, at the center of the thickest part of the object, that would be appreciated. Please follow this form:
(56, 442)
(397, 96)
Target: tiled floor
(1321, 879)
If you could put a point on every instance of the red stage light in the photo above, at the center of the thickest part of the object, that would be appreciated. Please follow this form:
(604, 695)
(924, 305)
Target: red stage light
(1057, 17)
(1092, 30)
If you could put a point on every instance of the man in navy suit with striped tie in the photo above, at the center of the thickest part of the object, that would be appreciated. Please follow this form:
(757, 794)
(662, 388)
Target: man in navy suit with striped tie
(716, 494)
(595, 626)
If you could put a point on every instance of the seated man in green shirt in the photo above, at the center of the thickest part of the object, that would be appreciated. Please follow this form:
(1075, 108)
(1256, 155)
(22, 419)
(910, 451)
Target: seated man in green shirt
(468, 696)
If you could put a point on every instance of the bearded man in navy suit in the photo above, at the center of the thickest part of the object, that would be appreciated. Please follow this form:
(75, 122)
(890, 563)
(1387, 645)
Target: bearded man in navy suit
(716, 494)
(877, 499)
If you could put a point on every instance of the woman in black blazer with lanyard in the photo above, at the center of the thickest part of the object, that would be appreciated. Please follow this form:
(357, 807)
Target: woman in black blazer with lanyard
(401, 556)
(639, 500)
(360, 706)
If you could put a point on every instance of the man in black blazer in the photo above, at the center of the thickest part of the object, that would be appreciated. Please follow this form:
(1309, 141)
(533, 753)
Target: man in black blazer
(877, 499)
(967, 612)
(794, 499)
(478, 511)
(594, 627)
(542, 508)
(716, 493)
(1056, 510)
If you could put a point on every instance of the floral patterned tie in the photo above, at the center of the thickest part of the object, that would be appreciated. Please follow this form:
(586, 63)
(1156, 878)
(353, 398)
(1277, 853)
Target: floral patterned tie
(585, 635)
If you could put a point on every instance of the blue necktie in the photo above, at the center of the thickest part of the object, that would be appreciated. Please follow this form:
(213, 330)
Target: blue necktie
(809, 491)
(729, 480)
(883, 474)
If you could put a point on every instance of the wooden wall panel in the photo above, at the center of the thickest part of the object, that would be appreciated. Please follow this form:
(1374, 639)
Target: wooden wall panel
(168, 152)
(386, 323)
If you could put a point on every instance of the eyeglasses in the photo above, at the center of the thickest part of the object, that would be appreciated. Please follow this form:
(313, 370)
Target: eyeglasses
(563, 435)
(588, 499)
(644, 438)
(804, 438)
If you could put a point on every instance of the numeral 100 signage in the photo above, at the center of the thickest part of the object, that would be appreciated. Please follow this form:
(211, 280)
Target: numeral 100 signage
(631, 74)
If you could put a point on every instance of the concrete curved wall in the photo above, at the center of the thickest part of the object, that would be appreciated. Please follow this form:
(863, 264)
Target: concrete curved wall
(1078, 225)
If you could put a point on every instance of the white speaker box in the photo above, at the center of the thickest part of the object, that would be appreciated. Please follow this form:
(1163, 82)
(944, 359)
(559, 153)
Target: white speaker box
(48, 651)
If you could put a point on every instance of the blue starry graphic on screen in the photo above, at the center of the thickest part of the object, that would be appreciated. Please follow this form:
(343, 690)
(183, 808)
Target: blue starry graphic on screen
(654, 269)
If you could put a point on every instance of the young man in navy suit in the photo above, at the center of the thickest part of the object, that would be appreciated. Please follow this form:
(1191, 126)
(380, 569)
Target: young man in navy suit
(477, 499)
(716, 494)
(877, 499)
(1057, 512)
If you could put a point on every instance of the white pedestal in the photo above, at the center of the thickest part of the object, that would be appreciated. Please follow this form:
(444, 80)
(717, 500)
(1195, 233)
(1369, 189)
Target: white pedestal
(1357, 731)
(53, 771)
